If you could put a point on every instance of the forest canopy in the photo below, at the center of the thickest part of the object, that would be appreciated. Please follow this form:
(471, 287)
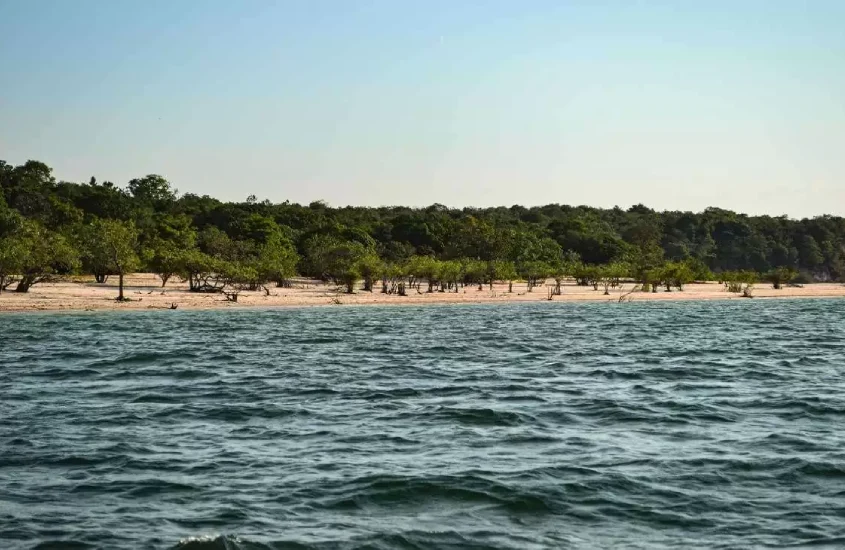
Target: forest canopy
(50, 228)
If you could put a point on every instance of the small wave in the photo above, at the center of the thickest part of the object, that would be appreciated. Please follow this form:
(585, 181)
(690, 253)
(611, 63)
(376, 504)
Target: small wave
(483, 416)
(63, 545)
(386, 490)
(218, 542)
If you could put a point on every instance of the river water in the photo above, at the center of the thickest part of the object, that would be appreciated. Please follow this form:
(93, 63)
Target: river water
(547, 425)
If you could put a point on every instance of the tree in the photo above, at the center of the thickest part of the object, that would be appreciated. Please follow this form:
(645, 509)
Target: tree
(216, 243)
(450, 274)
(337, 260)
(317, 256)
(243, 237)
(587, 275)
(11, 256)
(94, 257)
(609, 275)
(43, 254)
(203, 272)
(739, 281)
(165, 259)
(11, 247)
(474, 272)
(675, 274)
(370, 267)
(781, 276)
(425, 268)
(115, 243)
(535, 272)
(505, 271)
(152, 190)
(276, 261)
(699, 270)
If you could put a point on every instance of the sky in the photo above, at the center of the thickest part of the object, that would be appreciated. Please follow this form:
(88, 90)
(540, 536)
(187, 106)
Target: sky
(677, 105)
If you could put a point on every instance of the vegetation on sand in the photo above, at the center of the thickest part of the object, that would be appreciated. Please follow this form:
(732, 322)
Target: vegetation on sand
(50, 228)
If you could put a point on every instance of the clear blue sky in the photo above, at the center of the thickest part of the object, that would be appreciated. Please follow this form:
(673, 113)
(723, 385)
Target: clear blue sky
(678, 105)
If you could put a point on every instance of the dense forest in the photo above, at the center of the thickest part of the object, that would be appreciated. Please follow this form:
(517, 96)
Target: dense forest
(51, 228)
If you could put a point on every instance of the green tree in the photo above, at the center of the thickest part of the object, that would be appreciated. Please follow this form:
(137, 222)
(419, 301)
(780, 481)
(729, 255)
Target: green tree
(781, 276)
(609, 275)
(699, 270)
(675, 274)
(370, 267)
(535, 273)
(44, 254)
(450, 274)
(116, 244)
(426, 268)
(166, 259)
(152, 190)
(340, 262)
(504, 270)
(277, 260)
(202, 271)
(11, 257)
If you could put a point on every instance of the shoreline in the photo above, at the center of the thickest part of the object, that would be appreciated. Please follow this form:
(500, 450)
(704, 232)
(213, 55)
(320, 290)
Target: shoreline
(146, 294)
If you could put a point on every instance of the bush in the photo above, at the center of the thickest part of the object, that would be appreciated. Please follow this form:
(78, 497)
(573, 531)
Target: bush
(780, 276)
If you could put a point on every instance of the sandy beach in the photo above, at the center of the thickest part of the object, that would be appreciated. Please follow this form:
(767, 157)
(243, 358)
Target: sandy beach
(145, 292)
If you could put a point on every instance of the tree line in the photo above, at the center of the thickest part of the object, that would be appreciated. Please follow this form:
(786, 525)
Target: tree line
(50, 228)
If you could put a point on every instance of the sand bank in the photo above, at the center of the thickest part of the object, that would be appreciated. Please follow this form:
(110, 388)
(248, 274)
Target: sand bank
(146, 292)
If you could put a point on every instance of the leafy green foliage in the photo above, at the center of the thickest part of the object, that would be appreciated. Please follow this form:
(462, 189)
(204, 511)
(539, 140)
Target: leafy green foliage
(210, 242)
(275, 260)
(674, 274)
(40, 254)
(112, 247)
(781, 276)
(738, 281)
(611, 275)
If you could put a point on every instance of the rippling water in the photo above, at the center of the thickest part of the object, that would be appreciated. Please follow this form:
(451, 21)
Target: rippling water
(544, 425)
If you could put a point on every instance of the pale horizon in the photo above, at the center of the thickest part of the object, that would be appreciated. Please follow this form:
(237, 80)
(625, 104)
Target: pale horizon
(376, 104)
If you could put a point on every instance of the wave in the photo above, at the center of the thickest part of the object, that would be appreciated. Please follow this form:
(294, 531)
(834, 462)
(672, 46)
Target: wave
(561, 426)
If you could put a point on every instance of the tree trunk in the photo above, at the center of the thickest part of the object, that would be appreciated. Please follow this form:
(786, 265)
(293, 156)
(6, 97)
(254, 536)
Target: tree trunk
(24, 284)
(350, 287)
(120, 297)
(510, 287)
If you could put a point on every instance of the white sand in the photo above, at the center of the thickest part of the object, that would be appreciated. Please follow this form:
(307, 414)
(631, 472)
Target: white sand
(146, 293)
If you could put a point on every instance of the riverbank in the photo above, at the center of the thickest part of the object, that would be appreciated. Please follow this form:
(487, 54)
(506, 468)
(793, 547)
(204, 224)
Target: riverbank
(145, 292)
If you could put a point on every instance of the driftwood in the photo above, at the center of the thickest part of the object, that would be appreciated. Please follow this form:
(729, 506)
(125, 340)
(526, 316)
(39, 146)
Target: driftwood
(626, 297)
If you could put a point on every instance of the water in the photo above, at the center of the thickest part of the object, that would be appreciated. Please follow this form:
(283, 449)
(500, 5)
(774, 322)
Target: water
(543, 425)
